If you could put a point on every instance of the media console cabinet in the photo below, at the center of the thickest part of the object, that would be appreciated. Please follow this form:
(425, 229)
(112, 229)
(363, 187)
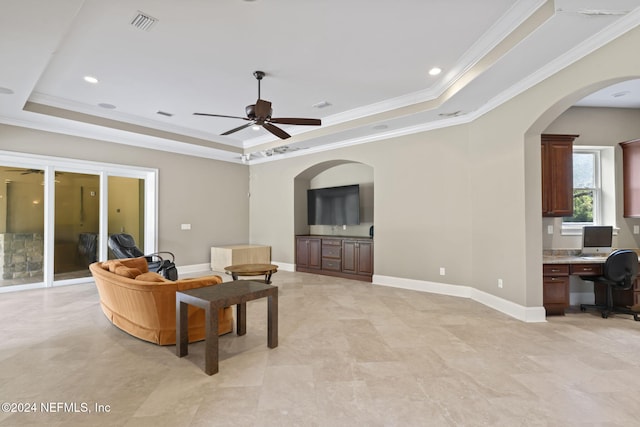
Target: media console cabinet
(340, 256)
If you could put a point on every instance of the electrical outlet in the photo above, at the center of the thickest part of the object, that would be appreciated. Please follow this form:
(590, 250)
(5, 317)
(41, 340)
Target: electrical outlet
(185, 226)
(500, 283)
(636, 229)
(442, 271)
(549, 229)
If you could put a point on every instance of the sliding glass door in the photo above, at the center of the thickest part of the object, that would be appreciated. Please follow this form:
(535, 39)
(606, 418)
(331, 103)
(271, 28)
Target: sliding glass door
(126, 208)
(21, 225)
(56, 216)
(77, 224)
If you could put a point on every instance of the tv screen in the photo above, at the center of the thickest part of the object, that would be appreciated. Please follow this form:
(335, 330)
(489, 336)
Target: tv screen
(334, 205)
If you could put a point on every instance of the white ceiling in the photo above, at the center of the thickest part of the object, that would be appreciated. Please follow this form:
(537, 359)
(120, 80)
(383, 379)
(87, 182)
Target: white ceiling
(368, 58)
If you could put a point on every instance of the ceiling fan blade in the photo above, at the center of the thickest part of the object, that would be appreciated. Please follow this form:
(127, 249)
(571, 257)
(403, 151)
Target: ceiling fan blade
(229, 132)
(263, 108)
(296, 121)
(276, 131)
(219, 115)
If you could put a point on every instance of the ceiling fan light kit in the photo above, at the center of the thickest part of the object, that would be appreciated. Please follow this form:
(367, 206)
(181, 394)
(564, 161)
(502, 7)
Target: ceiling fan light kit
(259, 114)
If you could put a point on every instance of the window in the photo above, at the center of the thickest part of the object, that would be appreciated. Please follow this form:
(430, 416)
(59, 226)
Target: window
(587, 191)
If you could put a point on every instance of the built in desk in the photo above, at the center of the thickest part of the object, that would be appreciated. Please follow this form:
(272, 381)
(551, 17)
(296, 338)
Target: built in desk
(557, 269)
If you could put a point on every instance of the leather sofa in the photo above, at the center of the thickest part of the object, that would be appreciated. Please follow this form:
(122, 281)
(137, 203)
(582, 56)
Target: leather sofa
(143, 303)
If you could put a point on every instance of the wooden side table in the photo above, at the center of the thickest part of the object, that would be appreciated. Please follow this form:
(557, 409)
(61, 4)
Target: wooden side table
(212, 298)
(252, 270)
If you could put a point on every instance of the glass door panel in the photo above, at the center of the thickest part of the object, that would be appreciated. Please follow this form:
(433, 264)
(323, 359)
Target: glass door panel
(126, 208)
(77, 224)
(21, 225)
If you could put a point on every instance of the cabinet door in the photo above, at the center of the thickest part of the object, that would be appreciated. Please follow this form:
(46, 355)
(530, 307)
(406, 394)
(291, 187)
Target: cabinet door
(557, 175)
(308, 252)
(365, 257)
(555, 294)
(631, 178)
(349, 257)
(357, 256)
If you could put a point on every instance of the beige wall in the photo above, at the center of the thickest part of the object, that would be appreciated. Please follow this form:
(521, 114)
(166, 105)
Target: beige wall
(217, 207)
(468, 197)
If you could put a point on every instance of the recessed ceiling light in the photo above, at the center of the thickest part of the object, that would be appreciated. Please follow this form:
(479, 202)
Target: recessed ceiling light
(5, 91)
(107, 106)
(435, 71)
(619, 94)
(90, 79)
(453, 114)
(321, 104)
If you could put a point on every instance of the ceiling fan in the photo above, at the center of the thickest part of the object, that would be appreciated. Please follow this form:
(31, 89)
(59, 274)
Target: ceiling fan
(259, 114)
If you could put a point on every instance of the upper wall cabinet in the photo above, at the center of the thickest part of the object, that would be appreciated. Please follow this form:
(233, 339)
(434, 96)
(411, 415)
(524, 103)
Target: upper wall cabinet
(631, 177)
(557, 175)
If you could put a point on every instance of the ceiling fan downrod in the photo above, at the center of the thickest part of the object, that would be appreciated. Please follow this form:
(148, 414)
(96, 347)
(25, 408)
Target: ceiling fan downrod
(259, 75)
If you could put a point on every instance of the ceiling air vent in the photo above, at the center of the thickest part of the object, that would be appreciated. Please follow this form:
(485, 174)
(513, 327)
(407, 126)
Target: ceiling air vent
(142, 21)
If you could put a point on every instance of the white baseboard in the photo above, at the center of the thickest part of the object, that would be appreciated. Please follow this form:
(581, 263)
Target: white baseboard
(577, 298)
(526, 314)
(517, 311)
(193, 268)
(199, 268)
(284, 266)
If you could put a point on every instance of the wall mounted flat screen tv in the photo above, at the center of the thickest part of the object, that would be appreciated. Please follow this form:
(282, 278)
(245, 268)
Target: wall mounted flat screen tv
(334, 205)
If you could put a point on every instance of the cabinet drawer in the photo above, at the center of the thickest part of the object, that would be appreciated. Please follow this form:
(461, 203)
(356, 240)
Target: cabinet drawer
(331, 242)
(586, 269)
(331, 251)
(331, 264)
(555, 290)
(555, 269)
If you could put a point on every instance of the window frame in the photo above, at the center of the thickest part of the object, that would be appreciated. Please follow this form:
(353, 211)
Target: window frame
(604, 191)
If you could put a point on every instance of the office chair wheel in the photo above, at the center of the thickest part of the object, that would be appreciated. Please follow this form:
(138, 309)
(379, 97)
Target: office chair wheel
(605, 315)
(636, 318)
(583, 308)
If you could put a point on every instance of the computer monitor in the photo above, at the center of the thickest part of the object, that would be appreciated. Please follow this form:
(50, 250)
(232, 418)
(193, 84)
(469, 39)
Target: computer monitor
(597, 239)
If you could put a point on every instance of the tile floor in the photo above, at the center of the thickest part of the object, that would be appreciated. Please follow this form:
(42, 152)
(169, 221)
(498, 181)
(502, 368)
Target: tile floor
(349, 354)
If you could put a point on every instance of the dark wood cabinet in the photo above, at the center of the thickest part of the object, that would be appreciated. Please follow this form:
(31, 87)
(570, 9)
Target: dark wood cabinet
(555, 288)
(348, 257)
(308, 253)
(631, 177)
(557, 174)
(357, 257)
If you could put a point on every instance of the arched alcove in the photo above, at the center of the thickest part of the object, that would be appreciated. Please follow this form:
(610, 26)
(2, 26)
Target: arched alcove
(334, 173)
(595, 127)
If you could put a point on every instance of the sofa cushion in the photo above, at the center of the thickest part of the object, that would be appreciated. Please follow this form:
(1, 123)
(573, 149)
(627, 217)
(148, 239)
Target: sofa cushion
(139, 263)
(130, 272)
(151, 276)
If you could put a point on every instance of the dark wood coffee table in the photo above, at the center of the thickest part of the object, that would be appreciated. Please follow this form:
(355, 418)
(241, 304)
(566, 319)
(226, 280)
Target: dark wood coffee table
(211, 299)
(252, 270)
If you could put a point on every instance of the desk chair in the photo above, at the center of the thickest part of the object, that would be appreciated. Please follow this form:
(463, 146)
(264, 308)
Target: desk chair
(619, 272)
